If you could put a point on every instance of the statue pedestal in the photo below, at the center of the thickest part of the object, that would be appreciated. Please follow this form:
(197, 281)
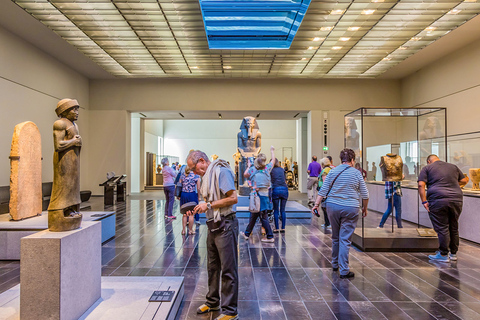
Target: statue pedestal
(60, 272)
(244, 190)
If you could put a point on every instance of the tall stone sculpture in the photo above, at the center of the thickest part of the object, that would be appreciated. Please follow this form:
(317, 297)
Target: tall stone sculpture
(249, 146)
(63, 211)
(25, 172)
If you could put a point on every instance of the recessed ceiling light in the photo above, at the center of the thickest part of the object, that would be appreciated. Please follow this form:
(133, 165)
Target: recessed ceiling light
(312, 48)
(337, 11)
(470, 1)
(353, 28)
(344, 39)
(317, 39)
(304, 58)
(430, 29)
(326, 28)
(327, 59)
(387, 59)
(368, 11)
(378, 0)
(227, 67)
(402, 48)
(415, 38)
(454, 11)
(336, 48)
(194, 67)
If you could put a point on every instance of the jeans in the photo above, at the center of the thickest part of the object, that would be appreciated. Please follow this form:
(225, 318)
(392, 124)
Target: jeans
(222, 262)
(343, 220)
(280, 196)
(397, 203)
(169, 199)
(444, 215)
(197, 217)
(263, 215)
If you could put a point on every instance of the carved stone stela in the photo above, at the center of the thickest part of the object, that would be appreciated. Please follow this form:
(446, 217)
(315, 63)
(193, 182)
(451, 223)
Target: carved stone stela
(26, 172)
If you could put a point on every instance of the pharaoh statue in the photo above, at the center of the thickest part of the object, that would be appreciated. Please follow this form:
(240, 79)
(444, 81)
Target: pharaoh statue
(352, 137)
(249, 145)
(63, 211)
(391, 166)
(432, 129)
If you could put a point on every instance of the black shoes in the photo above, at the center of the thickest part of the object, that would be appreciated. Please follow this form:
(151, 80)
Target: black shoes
(334, 269)
(350, 274)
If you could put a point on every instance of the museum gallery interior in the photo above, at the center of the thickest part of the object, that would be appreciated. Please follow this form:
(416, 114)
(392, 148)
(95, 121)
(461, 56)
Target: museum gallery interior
(103, 102)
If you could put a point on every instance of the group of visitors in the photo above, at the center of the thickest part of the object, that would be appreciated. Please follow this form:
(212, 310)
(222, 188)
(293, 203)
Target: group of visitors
(267, 180)
(185, 185)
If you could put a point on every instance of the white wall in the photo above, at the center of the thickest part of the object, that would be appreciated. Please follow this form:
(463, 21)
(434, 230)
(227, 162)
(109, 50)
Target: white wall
(220, 137)
(31, 84)
(135, 156)
(450, 82)
(109, 150)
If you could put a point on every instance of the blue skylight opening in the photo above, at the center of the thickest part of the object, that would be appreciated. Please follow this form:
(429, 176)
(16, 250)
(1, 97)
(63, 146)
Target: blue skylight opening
(244, 25)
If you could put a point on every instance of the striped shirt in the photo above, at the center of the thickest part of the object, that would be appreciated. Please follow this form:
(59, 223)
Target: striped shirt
(347, 189)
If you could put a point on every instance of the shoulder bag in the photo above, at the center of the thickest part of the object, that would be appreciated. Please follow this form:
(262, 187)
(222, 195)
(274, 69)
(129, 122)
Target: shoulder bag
(323, 204)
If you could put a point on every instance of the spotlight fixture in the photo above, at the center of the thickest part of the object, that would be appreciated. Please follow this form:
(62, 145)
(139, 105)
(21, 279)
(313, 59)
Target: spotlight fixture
(181, 115)
(142, 114)
(353, 28)
(258, 115)
(220, 116)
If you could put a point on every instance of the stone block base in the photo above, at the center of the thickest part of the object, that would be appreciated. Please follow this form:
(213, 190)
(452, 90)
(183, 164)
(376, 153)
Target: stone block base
(60, 273)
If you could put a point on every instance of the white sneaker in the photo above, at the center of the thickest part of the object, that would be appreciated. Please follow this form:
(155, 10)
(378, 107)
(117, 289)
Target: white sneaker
(244, 235)
(453, 257)
(268, 240)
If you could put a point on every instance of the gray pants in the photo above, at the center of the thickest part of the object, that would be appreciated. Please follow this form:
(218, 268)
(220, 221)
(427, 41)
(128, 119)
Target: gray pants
(222, 261)
(312, 184)
(343, 221)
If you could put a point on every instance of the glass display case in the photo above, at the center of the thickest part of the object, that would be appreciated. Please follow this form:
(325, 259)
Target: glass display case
(413, 134)
(463, 150)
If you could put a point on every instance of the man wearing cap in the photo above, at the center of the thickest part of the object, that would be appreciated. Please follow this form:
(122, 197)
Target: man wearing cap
(66, 161)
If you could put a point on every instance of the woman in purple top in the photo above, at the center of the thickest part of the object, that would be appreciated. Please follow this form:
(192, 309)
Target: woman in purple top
(168, 188)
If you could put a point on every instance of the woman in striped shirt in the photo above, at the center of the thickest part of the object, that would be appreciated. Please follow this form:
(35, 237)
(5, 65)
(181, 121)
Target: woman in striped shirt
(343, 187)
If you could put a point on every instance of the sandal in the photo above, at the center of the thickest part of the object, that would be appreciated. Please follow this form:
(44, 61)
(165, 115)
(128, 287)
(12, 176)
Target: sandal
(191, 232)
(183, 232)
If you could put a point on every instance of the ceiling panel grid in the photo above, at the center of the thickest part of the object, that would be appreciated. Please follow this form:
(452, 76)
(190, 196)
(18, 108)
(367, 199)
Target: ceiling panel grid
(167, 38)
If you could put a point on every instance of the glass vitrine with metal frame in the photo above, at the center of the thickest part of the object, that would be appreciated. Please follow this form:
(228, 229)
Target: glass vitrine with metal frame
(413, 134)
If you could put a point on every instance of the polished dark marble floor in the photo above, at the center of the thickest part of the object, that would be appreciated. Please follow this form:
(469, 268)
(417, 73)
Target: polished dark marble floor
(290, 278)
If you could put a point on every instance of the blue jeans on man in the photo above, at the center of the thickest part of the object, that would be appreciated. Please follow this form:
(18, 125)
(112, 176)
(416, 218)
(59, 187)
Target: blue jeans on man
(343, 221)
(397, 204)
(279, 198)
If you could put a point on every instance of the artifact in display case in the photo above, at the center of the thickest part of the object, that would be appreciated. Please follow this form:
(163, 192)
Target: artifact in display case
(391, 165)
(463, 184)
(475, 177)
(64, 208)
(392, 146)
(464, 152)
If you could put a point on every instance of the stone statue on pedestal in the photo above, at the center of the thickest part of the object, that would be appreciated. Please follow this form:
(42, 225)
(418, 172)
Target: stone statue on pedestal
(64, 209)
(249, 146)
